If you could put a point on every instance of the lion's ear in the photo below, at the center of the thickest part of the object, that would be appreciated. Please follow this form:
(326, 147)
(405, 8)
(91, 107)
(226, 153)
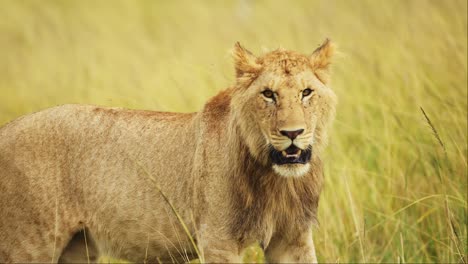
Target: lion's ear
(321, 60)
(244, 61)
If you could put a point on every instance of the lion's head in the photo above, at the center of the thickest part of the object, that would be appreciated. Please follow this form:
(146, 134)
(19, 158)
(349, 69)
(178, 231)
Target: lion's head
(283, 105)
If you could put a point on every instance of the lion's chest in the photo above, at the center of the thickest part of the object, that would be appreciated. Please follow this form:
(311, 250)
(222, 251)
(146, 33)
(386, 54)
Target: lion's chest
(271, 214)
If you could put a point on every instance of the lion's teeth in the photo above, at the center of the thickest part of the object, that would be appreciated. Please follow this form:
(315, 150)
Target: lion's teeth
(295, 155)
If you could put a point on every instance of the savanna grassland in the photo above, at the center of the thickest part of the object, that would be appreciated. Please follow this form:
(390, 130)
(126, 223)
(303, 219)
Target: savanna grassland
(396, 165)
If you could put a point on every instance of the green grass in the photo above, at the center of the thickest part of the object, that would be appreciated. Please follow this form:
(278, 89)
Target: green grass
(396, 179)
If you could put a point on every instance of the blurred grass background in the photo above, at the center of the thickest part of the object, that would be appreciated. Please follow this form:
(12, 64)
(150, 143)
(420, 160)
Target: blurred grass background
(393, 192)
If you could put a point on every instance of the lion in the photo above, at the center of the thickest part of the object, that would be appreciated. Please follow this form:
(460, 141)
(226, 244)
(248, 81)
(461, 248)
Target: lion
(78, 182)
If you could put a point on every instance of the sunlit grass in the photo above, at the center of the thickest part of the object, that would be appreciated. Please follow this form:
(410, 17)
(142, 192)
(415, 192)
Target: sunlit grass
(392, 191)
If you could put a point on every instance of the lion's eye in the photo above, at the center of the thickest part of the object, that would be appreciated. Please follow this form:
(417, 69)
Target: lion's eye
(268, 94)
(306, 92)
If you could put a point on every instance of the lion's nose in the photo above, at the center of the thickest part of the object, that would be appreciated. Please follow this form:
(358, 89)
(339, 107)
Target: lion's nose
(291, 134)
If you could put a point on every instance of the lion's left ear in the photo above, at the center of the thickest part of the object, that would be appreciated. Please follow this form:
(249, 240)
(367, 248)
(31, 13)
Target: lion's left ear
(244, 61)
(320, 60)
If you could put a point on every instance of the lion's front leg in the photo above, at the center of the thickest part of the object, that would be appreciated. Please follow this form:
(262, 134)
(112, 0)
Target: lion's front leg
(216, 247)
(292, 248)
(221, 252)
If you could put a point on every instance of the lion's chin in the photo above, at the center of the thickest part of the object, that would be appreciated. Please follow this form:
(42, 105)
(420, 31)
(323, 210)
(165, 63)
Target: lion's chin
(291, 170)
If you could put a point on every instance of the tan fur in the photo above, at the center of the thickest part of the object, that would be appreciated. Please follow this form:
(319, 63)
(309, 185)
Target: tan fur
(87, 170)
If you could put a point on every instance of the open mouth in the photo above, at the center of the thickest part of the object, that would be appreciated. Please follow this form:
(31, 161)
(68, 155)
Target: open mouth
(291, 155)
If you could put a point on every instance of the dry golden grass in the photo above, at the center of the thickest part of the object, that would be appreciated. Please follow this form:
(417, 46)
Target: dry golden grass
(396, 179)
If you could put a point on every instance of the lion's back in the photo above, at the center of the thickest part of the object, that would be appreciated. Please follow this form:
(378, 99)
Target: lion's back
(81, 140)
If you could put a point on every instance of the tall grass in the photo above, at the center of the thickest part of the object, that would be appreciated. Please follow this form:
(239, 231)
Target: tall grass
(393, 192)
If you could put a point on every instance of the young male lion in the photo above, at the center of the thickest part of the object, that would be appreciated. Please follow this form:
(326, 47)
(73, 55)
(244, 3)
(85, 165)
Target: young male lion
(246, 168)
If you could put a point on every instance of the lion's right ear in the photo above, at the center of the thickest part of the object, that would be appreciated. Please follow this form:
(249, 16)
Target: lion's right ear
(245, 62)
